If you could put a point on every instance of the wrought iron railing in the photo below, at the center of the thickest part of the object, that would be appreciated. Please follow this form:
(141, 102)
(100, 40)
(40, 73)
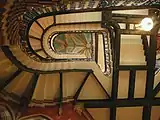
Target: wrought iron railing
(26, 13)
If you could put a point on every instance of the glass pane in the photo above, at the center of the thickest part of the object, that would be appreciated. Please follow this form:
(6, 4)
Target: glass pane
(73, 43)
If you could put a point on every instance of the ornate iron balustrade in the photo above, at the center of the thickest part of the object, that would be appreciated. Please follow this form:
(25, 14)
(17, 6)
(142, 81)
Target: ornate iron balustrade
(29, 13)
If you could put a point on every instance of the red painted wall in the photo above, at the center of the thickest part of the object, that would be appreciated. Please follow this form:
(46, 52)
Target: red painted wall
(68, 112)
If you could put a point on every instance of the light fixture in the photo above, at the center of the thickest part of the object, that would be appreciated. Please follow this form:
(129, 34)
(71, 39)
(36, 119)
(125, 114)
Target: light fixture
(146, 24)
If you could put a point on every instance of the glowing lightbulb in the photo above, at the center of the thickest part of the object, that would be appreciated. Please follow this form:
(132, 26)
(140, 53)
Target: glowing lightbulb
(146, 24)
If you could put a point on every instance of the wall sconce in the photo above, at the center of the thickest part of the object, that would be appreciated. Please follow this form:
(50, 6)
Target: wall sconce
(146, 24)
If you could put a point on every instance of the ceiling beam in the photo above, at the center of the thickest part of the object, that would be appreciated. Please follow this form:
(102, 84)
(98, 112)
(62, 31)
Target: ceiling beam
(4, 83)
(113, 113)
(61, 93)
(28, 93)
(146, 115)
(145, 45)
(99, 103)
(96, 48)
(116, 60)
(131, 84)
(132, 67)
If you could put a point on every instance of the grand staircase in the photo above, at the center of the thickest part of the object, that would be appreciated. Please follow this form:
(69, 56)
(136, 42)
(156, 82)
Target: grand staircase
(33, 71)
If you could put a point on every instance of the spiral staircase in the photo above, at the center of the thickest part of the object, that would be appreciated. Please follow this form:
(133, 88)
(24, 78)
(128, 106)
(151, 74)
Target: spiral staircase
(52, 55)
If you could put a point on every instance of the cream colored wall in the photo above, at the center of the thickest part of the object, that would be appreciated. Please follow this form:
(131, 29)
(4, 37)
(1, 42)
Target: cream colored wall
(140, 84)
(123, 84)
(129, 113)
(79, 17)
(92, 90)
(156, 81)
(155, 113)
(131, 50)
(99, 113)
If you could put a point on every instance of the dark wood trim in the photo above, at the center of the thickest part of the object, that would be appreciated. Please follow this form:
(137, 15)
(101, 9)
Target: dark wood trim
(81, 86)
(38, 50)
(151, 61)
(131, 84)
(39, 39)
(145, 46)
(99, 103)
(54, 19)
(116, 61)
(151, 65)
(28, 93)
(4, 83)
(107, 95)
(60, 92)
(132, 67)
(146, 112)
(156, 90)
(39, 25)
(96, 47)
(113, 113)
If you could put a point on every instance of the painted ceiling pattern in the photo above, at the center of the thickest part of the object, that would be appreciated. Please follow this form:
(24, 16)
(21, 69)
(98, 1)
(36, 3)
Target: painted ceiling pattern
(74, 43)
